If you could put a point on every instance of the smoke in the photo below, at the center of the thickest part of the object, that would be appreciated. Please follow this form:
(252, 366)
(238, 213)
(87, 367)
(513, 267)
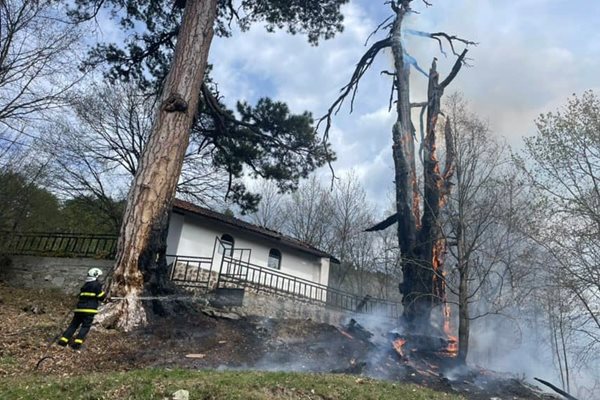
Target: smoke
(517, 344)
(520, 344)
(500, 344)
(378, 324)
(297, 346)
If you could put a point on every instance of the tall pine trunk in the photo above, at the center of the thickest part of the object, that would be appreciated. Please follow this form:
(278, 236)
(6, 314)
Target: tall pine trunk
(141, 240)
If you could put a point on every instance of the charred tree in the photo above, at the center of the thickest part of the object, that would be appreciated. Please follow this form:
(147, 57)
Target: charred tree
(419, 231)
(423, 287)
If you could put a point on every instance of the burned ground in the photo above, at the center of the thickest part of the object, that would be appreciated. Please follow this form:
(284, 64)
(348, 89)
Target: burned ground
(29, 319)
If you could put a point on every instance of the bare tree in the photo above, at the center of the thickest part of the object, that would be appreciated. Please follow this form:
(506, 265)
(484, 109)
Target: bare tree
(269, 213)
(482, 219)
(38, 65)
(352, 214)
(388, 263)
(95, 151)
(419, 229)
(334, 220)
(309, 214)
(563, 162)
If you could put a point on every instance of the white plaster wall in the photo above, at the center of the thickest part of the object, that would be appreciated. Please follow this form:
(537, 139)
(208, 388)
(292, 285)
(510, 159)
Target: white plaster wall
(197, 239)
(175, 227)
(324, 278)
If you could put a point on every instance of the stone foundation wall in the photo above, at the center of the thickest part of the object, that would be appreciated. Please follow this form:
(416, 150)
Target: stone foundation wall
(194, 277)
(272, 305)
(275, 306)
(68, 274)
(65, 274)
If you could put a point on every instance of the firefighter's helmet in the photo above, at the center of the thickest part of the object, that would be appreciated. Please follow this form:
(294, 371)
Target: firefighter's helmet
(94, 272)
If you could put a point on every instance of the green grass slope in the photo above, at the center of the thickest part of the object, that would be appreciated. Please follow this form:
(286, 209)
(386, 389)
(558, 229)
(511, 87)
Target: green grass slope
(247, 385)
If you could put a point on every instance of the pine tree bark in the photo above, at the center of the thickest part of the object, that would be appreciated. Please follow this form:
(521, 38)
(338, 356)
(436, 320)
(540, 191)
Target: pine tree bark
(141, 244)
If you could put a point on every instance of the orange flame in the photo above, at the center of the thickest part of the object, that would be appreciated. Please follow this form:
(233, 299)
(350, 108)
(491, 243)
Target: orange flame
(398, 346)
(453, 342)
(416, 206)
(439, 285)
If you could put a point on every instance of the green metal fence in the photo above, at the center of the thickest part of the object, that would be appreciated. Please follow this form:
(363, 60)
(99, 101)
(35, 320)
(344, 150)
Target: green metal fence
(58, 244)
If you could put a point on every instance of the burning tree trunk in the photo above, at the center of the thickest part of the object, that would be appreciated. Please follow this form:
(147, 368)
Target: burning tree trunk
(419, 236)
(154, 186)
(423, 269)
(407, 194)
(421, 241)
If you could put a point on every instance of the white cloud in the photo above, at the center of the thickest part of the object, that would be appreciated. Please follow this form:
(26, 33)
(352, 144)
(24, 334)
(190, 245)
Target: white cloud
(532, 55)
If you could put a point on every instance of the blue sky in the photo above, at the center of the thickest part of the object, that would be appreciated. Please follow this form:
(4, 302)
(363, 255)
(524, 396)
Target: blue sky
(532, 55)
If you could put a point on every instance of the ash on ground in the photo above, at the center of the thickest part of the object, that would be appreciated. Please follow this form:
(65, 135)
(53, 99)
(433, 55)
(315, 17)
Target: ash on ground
(218, 340)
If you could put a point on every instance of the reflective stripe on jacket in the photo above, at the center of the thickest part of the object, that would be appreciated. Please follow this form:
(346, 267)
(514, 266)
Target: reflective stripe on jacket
(86, 310)
(90, 296)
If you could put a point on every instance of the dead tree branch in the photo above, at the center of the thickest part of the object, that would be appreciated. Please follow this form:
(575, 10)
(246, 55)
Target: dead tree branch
(438, 36)
(379, 27)
(557, 390)
(455, 69)
(449, 165)
(392, 219)
(352, 86)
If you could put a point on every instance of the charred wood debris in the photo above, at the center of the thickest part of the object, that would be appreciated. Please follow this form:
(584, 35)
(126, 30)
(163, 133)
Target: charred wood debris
(427, 361)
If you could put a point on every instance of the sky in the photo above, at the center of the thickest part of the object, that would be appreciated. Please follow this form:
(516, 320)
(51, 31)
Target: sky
(531, 56)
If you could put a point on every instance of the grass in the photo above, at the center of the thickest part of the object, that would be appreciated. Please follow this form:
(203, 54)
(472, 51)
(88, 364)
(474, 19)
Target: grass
(248, 385)
(8, 361)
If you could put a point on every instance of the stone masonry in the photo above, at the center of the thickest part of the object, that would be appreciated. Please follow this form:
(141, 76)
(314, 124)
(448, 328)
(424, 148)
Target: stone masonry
(65, 274)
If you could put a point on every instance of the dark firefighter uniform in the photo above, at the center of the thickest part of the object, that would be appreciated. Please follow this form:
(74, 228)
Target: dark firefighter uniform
(89, 298)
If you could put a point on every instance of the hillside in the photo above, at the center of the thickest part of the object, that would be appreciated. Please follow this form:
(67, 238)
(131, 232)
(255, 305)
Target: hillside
(184, 352)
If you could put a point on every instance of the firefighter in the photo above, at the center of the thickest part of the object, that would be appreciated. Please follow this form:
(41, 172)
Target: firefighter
(90, 296)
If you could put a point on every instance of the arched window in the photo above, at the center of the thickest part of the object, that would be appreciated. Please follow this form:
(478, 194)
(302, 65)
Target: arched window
(227, 244)
(274, 259)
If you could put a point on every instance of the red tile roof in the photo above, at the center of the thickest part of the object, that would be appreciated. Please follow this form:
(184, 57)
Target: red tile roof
(187, 207)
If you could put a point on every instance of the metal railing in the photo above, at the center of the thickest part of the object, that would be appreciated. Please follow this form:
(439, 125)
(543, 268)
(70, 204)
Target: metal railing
(58, 244)
(236, 270)
(237, 273)
(192, 272)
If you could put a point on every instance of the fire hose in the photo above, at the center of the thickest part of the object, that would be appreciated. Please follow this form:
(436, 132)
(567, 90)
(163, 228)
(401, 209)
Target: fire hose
(144, 298)
(109, 298)
(52, 340)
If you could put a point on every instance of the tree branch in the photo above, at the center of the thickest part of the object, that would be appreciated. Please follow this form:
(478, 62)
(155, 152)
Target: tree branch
(392, 219)
(438, 37)
(455, 69)
(352, 86)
